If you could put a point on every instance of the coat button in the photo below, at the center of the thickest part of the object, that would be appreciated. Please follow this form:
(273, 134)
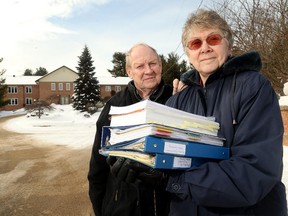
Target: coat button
(176, 187)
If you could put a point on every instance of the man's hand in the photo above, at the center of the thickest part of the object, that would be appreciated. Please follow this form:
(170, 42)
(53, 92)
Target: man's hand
(178, 86)
(119, 167)
(149, 175)
(128, 171)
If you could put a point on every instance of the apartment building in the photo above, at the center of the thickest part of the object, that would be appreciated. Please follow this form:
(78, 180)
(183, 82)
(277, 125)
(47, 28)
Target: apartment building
(55, 87)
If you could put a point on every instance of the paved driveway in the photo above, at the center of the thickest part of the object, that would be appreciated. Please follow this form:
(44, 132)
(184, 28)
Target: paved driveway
(40, 179)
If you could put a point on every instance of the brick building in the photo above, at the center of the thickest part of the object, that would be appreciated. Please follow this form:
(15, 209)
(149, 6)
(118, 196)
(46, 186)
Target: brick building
(55, 87)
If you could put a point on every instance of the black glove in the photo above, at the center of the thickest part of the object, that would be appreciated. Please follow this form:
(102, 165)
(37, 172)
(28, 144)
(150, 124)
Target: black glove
(128, 170)
(149, 175)
(120, 168)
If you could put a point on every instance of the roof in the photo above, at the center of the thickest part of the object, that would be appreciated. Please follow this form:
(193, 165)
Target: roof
(21, 80)
(31, 80)
(55, 71)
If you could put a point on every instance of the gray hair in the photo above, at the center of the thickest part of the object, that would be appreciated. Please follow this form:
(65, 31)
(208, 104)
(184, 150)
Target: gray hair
(205, 19)
(128, 54)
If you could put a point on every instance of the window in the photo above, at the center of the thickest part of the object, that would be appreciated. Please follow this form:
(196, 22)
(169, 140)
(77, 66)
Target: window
(12, 89)
(108, 88)
(74, 86)
(28, 101)
(117, 88)
(60, 86)
(67, 86)
(13, 101)
(53, 86)
(28, 89)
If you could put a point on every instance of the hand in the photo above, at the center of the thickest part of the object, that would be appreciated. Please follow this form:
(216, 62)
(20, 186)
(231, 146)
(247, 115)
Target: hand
(119, 167)
(128, 170)
(149, 175)
(178, 86)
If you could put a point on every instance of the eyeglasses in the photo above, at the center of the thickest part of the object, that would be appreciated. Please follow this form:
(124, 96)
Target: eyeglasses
(212, 40)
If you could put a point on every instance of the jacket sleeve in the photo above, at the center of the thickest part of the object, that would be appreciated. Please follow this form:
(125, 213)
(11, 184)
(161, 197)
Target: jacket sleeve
(98, 169)
(255, 165)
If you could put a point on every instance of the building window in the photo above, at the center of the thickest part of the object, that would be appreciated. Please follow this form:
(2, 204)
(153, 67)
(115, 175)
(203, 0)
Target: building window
(53, 86)
(67, 86)
(12, 89)
(108, 88)
(74, 86)
(28, 89)
(28, 101)
(13, 101)
(117, 88)
(60, 86)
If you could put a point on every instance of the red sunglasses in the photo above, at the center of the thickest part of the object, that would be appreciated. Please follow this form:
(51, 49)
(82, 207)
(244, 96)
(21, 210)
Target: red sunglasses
(212, 40)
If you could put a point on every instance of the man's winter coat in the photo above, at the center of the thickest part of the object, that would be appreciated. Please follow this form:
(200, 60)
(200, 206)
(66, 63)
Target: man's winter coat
(249, 183)
(111, 197)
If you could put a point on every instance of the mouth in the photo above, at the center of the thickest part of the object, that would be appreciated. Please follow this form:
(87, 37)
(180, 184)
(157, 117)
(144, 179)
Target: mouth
(149, 78)
(207, 59)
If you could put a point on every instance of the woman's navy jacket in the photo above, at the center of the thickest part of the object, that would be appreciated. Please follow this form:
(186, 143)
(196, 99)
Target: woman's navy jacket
(246, 106)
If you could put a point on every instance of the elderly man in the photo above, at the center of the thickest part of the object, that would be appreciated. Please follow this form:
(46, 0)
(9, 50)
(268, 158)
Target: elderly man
(114, 189)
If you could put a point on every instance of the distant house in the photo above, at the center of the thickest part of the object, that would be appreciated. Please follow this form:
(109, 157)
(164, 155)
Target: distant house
(21, 91)
(55, 87)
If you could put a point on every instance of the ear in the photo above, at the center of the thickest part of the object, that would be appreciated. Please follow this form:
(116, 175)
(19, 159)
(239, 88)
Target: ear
(230, 51)
(128, 71)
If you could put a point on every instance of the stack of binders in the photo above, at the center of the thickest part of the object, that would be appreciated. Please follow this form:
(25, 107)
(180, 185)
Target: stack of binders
(162, 137)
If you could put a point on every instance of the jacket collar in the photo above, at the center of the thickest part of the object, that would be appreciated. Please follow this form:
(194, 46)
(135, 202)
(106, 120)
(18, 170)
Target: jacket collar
(157, 93)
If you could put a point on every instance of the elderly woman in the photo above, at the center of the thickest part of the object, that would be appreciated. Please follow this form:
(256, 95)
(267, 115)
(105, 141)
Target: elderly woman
(242, 100)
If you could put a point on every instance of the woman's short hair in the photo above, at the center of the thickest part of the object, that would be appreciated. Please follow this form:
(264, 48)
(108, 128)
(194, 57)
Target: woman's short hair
(205, 19)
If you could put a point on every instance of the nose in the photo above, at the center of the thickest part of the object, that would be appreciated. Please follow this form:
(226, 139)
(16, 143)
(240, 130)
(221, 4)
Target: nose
(148, 68)
(205, 47)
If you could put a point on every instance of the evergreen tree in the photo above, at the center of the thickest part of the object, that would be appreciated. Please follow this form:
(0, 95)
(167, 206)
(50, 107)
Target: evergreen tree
(3, 88)
(41, 71)
(86, 92)
(28, 72)
(119, 61)
(171, 68)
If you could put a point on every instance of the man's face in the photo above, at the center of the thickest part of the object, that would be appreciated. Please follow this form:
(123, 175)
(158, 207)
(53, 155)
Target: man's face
(145, 68)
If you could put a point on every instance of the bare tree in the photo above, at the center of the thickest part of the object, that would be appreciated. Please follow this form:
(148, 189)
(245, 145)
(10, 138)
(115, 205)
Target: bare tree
(3, 87)
(38, 108)
(261, 25)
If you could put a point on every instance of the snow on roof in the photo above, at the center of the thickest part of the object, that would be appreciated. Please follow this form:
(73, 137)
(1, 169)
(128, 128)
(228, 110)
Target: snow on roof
(31, 80)
(21, 80)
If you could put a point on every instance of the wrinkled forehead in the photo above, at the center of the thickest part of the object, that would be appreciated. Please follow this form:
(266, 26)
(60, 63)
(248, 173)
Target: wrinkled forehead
(142, 55)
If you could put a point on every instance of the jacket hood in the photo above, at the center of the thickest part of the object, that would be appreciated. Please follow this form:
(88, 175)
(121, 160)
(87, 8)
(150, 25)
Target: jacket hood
(249, 61)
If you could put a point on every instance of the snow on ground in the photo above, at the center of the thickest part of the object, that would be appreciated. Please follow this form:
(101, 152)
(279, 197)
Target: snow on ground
(65, 126)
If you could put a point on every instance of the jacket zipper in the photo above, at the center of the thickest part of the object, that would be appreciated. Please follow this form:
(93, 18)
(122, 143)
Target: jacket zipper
(155, 203)
(116, 195)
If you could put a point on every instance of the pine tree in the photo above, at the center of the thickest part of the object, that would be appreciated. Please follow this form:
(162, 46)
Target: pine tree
(3, 88)
(119, 62)
(86, 92)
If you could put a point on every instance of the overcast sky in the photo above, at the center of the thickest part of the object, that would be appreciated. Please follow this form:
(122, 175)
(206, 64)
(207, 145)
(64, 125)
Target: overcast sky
(53, 33)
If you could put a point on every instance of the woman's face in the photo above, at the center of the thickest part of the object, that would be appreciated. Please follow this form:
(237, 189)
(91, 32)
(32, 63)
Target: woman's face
(205, 57)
